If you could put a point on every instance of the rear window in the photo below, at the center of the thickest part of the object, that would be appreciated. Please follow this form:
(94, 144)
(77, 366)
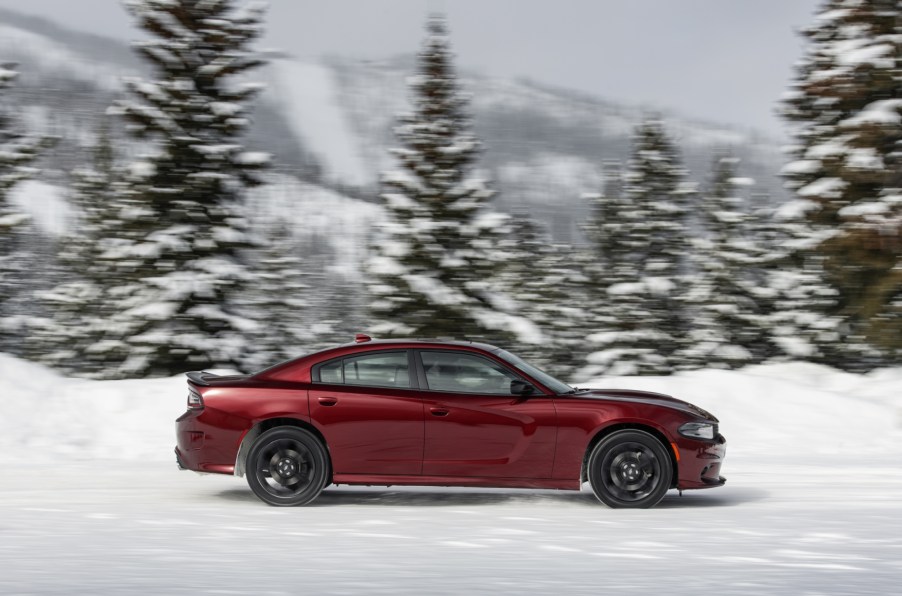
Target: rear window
(378, 369)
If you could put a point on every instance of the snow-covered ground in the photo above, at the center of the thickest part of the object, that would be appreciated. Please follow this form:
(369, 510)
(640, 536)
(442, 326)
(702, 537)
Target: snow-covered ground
(92, 502)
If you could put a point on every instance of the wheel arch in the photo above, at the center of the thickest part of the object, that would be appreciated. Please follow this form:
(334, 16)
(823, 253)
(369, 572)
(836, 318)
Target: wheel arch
(269, 424)
(651, 430)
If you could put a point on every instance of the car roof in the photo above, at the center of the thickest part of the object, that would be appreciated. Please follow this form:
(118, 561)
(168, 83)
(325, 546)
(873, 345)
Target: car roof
(366, 345)
(423, 341)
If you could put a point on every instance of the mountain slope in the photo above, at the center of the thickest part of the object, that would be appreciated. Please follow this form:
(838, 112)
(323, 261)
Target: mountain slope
(68, 79)
(331, 121)
(543, 146)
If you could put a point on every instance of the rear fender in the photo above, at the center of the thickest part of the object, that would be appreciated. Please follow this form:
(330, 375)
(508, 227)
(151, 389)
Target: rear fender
(258, 429)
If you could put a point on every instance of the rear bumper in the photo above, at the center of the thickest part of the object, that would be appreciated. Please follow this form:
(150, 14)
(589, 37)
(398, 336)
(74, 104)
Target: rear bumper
(700, 463)
(204, 447)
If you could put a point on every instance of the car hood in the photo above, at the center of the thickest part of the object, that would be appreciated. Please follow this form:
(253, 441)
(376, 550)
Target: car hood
(643, 397)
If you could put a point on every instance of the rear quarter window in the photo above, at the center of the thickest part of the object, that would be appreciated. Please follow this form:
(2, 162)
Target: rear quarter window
(376, 369)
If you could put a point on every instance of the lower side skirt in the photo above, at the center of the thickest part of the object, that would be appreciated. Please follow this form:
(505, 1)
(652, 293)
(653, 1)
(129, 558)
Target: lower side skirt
(411, 480)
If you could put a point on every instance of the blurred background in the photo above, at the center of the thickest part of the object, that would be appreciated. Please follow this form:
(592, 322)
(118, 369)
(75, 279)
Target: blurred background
(607, 189)
(699, 198)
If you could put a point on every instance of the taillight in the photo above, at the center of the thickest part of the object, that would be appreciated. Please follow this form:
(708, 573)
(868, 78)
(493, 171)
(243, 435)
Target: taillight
(195, 401)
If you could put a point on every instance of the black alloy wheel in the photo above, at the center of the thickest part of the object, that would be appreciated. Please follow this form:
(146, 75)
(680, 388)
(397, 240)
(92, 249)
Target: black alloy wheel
(630, 469)
(287, 466)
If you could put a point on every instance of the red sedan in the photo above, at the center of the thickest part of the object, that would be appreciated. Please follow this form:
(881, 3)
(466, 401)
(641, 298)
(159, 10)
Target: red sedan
(440, 413)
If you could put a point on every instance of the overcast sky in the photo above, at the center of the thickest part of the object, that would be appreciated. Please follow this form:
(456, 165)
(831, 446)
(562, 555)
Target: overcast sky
(720, 60)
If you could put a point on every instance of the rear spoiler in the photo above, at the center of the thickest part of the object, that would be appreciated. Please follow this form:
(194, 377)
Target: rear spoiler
(201, 378)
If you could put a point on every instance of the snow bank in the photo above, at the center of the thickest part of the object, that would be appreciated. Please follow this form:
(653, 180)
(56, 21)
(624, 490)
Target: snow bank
(44, 416)
(796, 411)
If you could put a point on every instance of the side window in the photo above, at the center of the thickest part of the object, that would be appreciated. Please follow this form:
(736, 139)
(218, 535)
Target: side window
(380, 369)
(465, 373)
(330, 372)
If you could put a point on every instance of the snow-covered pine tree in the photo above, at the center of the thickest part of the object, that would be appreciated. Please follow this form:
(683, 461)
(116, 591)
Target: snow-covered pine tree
(435, 260)
(18, 150)
(727, 329)
(601, 229)
(605, 251)
(646, 242)
(549, 286)
(336, 305)
(183, 241)
(794, 296)
(78, 313)
(847, 103)
(296, 299)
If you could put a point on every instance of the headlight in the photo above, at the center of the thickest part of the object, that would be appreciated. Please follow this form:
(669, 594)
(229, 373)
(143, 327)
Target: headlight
(699, 430)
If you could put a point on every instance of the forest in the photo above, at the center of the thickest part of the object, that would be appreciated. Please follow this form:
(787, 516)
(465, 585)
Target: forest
(168, 265)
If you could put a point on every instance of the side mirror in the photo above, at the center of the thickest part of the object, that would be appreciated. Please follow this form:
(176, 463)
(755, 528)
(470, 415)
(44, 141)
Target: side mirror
(521, 388)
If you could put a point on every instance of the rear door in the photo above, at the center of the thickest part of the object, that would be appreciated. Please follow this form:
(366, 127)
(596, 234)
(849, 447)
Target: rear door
(475, 427)
(368, 410)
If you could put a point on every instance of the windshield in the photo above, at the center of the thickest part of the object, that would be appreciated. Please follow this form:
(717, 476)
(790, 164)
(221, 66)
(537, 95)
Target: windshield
(542, 377)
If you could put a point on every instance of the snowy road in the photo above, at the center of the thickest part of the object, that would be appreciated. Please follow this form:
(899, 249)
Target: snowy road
(813, 505)
(828, 526)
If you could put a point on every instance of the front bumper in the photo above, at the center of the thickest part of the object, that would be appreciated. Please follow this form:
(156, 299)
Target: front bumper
(700, 463)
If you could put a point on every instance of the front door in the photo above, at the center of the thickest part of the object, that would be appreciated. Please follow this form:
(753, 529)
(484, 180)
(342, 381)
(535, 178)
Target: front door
(475, 427)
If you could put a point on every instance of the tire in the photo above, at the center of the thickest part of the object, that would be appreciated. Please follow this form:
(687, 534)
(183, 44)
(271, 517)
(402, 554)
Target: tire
(630, 469)
(287, 466)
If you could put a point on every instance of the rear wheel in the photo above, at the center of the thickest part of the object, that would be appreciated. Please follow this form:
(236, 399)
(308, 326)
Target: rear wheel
(287, 466)
(630, 469)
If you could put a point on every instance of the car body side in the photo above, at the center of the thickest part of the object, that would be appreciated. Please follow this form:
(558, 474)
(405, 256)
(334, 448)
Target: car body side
(536, 441)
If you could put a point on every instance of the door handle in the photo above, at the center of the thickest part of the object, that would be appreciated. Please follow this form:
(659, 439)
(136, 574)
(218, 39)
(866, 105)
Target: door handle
(438, 411)
(327, 401)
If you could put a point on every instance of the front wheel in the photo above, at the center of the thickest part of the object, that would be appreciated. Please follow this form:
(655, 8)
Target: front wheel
(287, 466)
(630, 469)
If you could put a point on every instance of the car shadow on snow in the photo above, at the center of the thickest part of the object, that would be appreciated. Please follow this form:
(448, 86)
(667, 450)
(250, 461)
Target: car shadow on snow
(452, 497)
(722, 497)
(459, 497)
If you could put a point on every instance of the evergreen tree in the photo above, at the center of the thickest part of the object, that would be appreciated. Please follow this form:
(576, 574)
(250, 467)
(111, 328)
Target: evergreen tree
(79, 312)
(603, 235)
(297, 301)
(336, 307)
(18, 151)
(601, 229)
(548, 284)
(847, 103)
(435, 259)
(181, 243)
(793, 296)
(646, 242)
(727, 329)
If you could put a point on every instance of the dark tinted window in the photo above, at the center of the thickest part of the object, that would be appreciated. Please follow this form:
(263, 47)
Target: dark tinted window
(380, 369)
(330, 372)
(540, 375)
(465, 373)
